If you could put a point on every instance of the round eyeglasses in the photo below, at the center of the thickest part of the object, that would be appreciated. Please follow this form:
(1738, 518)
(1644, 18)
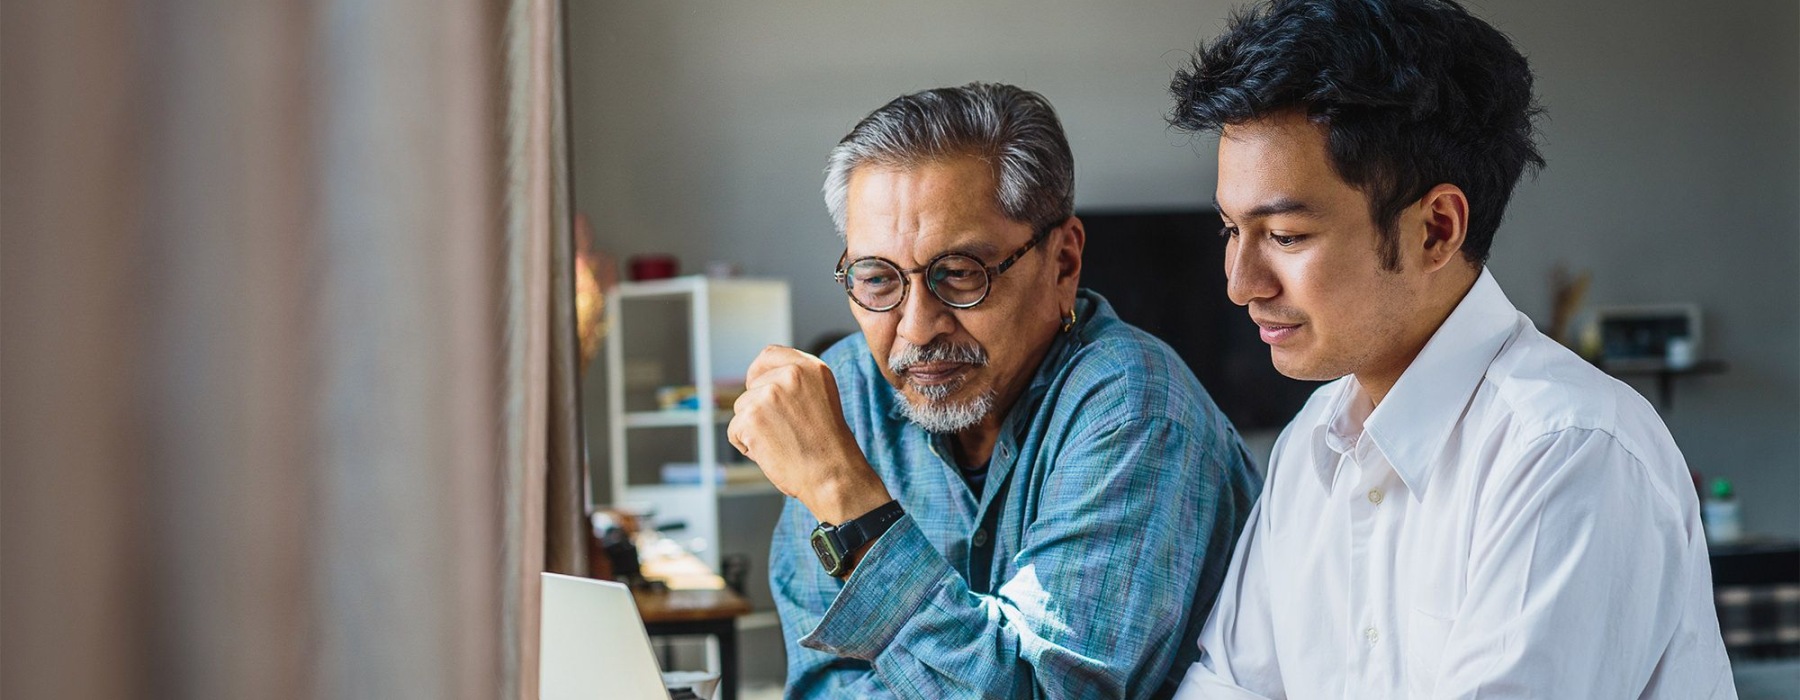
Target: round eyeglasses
(959, 280)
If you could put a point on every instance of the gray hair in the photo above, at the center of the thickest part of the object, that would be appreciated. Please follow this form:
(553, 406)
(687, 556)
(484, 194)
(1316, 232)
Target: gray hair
(1014, 130)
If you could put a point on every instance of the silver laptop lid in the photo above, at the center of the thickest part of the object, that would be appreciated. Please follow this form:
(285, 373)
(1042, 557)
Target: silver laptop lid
(593, 643)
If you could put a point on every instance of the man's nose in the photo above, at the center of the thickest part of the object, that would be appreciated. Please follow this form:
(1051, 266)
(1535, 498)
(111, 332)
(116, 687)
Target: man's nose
(1247, 274)
(923, 317)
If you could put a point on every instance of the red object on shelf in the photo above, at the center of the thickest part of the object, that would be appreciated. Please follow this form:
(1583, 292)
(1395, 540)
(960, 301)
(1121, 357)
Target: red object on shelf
(652, 267)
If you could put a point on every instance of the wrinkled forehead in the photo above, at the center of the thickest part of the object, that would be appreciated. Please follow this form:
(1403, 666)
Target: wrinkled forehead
(910, 215)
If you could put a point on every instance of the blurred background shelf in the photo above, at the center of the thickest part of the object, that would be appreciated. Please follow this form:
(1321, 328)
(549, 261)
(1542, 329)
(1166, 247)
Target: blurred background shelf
(1665, 375)
(700, 333)
(674, 418)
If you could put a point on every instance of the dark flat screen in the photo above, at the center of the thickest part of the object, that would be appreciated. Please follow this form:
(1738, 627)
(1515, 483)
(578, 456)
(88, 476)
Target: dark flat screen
(1164, 272)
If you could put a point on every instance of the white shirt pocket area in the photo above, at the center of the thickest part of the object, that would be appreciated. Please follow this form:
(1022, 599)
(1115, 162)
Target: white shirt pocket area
(1424, 646)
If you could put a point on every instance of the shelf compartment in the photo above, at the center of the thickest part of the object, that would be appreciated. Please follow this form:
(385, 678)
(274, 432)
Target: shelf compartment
(675, 418)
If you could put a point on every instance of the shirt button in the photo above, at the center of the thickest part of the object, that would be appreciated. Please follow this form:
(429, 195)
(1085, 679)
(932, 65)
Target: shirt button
(1375, 496)
(980, 538)
(1371, 635)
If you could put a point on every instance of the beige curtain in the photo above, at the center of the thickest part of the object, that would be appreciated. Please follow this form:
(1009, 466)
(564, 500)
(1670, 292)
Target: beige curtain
(566, 526)
(543, 350)
(279, 340)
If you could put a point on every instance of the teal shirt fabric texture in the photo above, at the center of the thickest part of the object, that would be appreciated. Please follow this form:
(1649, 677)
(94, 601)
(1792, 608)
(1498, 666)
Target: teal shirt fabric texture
(1084, 568)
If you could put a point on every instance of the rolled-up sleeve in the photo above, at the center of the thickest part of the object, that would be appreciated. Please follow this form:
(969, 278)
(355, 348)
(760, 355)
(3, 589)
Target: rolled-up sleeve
(898, 576)
(803, 592)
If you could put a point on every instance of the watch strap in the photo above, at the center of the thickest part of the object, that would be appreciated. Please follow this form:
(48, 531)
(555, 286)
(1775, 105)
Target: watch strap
(863, 529)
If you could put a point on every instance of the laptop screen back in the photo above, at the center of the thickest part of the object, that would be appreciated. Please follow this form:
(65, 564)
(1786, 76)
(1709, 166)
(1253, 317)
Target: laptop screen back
(593, 643)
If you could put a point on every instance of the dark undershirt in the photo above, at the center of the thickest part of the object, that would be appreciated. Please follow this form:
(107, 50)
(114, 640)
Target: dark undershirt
(975, 477)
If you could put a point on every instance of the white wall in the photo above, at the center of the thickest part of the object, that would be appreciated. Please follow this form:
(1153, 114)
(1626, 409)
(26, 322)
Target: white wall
(1674, 146)
(1673, 140)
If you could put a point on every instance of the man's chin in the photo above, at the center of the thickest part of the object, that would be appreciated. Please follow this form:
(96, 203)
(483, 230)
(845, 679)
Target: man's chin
(952, 414)
(1297, 366)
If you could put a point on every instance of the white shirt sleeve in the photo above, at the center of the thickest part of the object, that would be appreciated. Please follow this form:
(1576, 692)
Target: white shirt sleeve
(1237, 644)
(1578, 568)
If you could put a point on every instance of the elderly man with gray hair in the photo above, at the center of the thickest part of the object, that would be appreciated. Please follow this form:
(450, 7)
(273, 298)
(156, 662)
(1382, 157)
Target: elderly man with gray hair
(999, 489)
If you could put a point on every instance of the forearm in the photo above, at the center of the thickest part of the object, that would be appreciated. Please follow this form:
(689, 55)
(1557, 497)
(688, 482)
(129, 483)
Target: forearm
(1051, 626)
(1203, 683)
(1238, 660)
(812, 674)
(802, 593)
(1099, 594)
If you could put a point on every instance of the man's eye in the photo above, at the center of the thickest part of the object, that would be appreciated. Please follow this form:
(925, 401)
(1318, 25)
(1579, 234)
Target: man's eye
(1284, 240)
(1228, 232)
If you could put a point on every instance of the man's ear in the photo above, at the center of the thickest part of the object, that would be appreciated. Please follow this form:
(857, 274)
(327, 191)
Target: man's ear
(1444, 214)
(1066, 245)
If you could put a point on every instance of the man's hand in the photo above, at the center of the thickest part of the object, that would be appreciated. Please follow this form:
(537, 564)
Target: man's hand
(790, 423)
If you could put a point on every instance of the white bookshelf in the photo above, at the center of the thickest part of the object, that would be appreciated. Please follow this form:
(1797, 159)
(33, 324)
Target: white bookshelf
(696, 331)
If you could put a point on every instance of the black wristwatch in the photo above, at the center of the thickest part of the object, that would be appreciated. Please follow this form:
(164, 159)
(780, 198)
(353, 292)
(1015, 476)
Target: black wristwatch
(835, 543)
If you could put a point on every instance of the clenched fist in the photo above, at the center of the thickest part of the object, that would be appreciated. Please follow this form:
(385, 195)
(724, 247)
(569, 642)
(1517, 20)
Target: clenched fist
(790, 423)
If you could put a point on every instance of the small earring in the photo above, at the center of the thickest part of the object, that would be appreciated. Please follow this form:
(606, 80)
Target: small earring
(1069, 323)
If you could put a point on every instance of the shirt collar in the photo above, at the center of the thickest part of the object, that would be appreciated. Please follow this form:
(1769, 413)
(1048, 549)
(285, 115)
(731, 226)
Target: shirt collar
(1415, 419)
(1089, 306)
(1344, 422)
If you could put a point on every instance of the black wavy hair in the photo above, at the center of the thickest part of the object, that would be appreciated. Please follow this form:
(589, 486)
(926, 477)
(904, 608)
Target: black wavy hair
(1413, 93)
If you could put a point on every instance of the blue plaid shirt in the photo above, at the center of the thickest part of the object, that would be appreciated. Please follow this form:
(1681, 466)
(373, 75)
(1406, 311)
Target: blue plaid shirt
(1084, 568)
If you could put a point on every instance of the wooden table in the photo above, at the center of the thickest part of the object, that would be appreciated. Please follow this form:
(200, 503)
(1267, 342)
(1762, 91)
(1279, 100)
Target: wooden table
(695, 603)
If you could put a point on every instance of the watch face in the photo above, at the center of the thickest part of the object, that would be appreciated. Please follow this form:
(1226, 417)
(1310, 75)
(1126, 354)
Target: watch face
(822, 547)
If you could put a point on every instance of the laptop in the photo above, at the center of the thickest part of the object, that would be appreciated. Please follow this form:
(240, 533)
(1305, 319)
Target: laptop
(593, 645)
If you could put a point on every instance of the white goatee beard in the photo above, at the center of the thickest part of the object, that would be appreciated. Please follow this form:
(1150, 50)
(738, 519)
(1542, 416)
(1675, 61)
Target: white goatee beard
(937, 414)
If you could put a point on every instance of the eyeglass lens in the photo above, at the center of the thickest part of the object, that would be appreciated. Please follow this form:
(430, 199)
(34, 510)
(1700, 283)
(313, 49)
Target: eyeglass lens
(957, 280)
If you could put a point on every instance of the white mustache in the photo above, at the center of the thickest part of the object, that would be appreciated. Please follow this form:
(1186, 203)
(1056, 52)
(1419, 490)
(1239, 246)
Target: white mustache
(936, 351)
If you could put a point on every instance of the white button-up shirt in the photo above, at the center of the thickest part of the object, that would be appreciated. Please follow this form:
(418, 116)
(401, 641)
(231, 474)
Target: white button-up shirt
(1509, 523)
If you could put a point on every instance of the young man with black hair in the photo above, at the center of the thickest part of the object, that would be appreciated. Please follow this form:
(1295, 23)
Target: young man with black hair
(1469, 510)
